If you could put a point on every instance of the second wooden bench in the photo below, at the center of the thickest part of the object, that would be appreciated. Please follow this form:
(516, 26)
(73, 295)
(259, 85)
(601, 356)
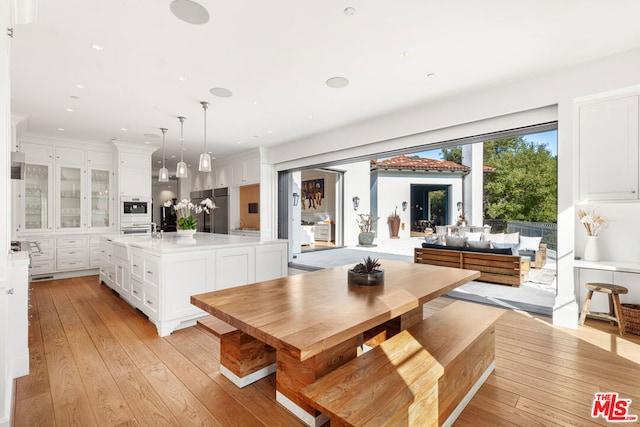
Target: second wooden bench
(424, 376)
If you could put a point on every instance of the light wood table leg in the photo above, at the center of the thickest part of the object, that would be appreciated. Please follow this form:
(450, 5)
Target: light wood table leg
(292, 375)
(244, 359)
(373, 337)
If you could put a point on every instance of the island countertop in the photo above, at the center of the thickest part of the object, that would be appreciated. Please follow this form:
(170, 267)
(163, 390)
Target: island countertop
(171, 243)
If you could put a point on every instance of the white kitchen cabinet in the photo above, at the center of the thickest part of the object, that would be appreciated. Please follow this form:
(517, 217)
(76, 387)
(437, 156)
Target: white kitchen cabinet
(35, 199)
(246, 171)
(72, 253)
(69, 155)
(134, 170)
(608, 131)
(100, 159)
(162, 275)
(100, 206)
(235, 266)
(223, 176)
(36, 152)
(71, 193)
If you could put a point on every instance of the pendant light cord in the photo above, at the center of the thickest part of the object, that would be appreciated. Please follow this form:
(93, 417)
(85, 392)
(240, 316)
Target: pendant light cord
(164, 131)
(181, 138)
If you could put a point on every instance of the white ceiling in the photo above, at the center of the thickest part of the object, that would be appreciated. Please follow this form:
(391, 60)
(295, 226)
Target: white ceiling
(276, 56)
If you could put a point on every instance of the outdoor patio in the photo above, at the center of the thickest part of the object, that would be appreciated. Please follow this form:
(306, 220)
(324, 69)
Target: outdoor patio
(537, 295)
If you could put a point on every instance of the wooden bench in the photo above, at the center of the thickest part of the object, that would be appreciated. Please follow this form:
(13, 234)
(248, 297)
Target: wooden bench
(495, 268)
(423, 376)
(243, 359)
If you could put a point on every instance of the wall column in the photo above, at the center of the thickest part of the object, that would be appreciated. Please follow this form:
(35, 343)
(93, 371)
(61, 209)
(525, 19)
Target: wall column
(473, 156)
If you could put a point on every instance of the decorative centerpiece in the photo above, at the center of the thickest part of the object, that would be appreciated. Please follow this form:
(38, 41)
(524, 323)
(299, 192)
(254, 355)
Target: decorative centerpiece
(365, 223)
(394, 224)
(366, 273)
(593, 224)
(186, 225)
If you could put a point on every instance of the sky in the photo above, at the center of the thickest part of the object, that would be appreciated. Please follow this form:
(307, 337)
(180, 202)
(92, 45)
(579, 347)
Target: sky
(549, 139)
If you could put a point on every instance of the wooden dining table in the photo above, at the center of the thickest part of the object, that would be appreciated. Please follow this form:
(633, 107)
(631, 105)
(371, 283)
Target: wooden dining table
(314, 322)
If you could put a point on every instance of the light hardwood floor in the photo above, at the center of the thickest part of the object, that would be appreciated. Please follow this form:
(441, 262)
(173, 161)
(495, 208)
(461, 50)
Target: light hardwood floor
(95, 361)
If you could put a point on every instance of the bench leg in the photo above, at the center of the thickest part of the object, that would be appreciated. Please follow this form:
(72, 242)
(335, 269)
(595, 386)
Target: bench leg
(585, 308)
(244, 359)
(292, 375)
(375, 336)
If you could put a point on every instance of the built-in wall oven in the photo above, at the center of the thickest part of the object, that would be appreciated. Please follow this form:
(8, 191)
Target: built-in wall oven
(135, 215)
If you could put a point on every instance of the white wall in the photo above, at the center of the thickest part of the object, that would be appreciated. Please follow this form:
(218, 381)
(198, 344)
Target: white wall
(161, 192)
(356, 183)
(325, 211)
(506, 106)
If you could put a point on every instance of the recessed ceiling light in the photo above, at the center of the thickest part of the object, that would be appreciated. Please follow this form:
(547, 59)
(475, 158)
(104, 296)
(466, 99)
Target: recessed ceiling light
(70, 110)
(159, 161)
(147, 142)
(238, 142)
(123, 129)
(173, 157)
(61, 129)
(255, 102)
(269, 131)
(97, 47)
(404, 54)
(337, 82)
(151, 135)
(182, 78)
(189, 12)
(349, 11)
(221, 92)
(311, 116)
(80, 86)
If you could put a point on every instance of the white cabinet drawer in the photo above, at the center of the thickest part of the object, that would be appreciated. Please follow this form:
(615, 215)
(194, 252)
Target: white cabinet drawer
(72, 241)
(136, 292)
(36, 152)
(43, 254)
(150, 301)
(76, 264)
(44, 266)
(44, 243)
(69, 155)
(137, 265)
(151, 273)
(71, 253)
(95, 257)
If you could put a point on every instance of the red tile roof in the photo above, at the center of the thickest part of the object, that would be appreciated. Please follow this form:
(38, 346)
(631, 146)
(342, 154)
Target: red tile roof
(421, 163)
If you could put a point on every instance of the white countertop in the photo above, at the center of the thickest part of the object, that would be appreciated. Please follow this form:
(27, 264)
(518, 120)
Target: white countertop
(628, 267)
(171, 243)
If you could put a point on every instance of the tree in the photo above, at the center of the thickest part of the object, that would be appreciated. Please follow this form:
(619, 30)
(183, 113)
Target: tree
(524, 185)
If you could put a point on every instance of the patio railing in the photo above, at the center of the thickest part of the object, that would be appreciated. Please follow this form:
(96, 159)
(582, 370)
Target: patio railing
(549, 232)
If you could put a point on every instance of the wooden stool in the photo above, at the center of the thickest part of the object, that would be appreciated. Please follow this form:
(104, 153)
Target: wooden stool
(615, 312)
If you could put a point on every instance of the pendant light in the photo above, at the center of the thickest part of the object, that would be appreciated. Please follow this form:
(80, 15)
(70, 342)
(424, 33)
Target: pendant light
(205, 158)
(163, 174)
(181, 170)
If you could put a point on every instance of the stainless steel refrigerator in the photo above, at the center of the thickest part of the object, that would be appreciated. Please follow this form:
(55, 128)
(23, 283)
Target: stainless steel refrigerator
(221, 214)
(203, 219)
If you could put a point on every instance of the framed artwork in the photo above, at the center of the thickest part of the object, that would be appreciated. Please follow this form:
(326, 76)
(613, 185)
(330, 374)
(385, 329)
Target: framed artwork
(312, 194)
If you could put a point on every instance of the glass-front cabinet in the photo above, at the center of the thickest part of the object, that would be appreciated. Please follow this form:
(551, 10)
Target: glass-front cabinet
(36, 198)
(70, 195)
(100, 198)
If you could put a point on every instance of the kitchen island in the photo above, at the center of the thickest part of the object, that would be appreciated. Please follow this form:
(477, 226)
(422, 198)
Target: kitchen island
(158, 276)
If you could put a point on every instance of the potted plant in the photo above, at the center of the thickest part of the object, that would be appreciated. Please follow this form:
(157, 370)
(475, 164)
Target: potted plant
(366, 223)
(366, 273)
(462, 220)
(187, 224)
(394, 224)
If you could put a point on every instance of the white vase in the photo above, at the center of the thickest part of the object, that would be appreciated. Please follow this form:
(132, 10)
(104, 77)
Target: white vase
(186, 236)
(592, 249)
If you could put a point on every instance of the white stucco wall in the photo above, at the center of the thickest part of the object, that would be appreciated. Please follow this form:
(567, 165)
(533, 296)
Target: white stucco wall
(356, 183)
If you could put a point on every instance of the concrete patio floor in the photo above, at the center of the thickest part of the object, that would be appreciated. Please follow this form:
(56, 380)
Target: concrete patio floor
(537, 295)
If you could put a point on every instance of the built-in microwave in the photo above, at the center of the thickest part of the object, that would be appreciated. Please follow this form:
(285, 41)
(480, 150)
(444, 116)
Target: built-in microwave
(134, 206)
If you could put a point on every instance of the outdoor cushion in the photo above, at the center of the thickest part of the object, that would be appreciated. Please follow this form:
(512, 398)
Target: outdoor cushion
(456, 242)
(512, 238)
(479, 244)
(473, 236)
(495, 237)
(513, 247)
(433, 240)
(487, 250)
(529, 243)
